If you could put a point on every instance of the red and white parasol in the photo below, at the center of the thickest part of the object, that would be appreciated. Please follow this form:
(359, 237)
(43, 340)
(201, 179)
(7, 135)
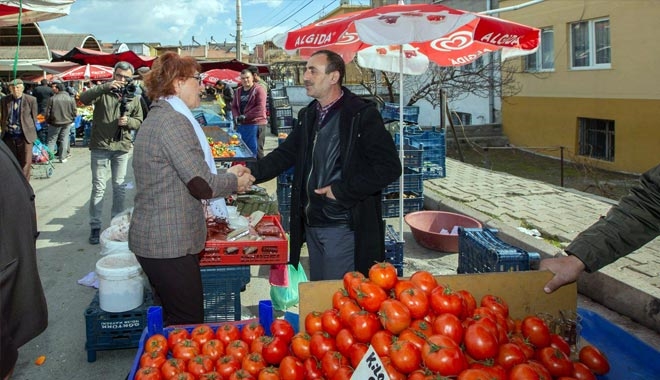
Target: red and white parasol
(87, 72)
(225, 75)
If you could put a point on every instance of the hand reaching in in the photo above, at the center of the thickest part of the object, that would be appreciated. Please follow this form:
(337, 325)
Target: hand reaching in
(566, 269)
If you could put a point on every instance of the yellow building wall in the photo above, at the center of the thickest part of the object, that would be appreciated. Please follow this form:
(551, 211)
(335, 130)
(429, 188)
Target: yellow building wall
(627, 92)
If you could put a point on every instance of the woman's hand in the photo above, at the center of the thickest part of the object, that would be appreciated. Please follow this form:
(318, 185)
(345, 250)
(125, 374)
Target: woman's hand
(245, 178)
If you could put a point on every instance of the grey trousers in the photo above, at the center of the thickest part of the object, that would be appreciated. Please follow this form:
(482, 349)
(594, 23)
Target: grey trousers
(331, 252)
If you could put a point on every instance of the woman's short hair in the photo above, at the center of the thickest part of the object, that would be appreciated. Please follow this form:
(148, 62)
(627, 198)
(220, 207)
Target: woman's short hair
(165, 70)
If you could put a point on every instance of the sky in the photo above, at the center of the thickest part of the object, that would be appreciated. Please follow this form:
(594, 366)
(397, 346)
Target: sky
(171, 21)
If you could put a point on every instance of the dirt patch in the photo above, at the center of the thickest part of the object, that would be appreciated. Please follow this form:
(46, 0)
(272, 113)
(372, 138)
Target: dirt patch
(523, 164)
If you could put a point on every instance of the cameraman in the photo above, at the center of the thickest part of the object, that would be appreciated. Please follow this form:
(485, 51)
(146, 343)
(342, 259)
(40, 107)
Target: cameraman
(117, 112)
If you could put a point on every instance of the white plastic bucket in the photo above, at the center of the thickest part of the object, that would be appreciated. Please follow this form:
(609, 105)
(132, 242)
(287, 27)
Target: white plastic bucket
(121, 286)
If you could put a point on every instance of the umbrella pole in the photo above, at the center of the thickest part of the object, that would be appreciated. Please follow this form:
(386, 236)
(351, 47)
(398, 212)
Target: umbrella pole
(401, 142)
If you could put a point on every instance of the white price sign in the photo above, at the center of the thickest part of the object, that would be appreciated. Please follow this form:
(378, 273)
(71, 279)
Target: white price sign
(370, 367)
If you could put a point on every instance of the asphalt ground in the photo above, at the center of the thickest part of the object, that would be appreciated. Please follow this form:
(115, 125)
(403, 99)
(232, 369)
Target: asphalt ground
(65, 256)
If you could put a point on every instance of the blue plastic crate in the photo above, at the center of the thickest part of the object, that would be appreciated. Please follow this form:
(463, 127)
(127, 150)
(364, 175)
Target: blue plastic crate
(481, 251)
(413, 180)
(432, 143)
(412, 156)
(109, 331)
(390, 204)
(222, 291)
(394, 249)
(390, 112)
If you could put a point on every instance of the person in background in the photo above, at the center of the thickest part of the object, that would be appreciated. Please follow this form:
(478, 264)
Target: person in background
(141, 90)
(174, 172)
(343, 157)
(223, 89)
(116, 114)
(249, 110)
(18, 119)
(261, 132)
(629, 225)
(23, 308)
(60, 113)
(43, 92)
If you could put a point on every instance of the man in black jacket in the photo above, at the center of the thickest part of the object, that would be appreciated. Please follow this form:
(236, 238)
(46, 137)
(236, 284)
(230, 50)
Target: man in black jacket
(343, 158)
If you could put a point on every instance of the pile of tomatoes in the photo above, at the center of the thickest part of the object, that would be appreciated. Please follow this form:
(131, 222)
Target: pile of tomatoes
(420, 330)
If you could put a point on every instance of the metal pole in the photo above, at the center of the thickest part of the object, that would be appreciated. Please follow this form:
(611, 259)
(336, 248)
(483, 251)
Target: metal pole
(239, 22)
(561, 165)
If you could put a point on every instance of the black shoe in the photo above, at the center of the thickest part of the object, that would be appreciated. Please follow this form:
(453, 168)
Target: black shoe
(95, 236)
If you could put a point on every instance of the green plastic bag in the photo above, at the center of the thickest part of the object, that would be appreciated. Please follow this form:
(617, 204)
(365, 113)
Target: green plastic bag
(285, 297)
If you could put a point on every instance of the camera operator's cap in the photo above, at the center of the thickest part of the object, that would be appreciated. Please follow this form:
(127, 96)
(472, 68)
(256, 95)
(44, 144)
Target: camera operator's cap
(16, 82)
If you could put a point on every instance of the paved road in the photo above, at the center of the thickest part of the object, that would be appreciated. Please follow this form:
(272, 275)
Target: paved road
(65, 256)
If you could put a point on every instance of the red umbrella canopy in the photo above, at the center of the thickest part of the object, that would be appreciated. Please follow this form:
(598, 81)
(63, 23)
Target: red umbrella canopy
(446, 36)
(226, 75)
(87, 72)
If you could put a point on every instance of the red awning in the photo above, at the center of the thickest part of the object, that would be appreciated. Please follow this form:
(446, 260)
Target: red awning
(94, 57)
(236, 65)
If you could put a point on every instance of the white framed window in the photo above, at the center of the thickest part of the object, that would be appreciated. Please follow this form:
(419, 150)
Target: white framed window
(590, 44)
(544, 57)
(596, 138)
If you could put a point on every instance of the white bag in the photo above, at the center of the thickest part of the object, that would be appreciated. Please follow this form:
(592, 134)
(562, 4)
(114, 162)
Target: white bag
(114, 239)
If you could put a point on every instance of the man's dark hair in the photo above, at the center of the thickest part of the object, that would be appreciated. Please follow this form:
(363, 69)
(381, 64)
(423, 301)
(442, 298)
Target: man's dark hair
(335, 63)
(219, 82)
(59, 86)
(123, 65)
(44, 82)
(254, 70)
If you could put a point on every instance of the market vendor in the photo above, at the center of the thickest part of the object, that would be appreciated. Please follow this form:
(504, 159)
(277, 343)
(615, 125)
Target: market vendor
(174, 172)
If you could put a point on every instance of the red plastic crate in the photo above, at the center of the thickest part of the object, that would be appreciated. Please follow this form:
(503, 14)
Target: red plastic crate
(221, 252)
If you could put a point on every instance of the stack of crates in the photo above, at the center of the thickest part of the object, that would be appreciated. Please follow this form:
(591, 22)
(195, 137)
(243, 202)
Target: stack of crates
(109, 331)
(281, 112)
(413, 186)
(394, 249)
(432, 143)
(222, 287)
(481, 251)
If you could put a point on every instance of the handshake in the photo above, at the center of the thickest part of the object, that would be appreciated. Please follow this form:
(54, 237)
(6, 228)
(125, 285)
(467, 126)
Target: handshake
(244, 176)
(240, 119)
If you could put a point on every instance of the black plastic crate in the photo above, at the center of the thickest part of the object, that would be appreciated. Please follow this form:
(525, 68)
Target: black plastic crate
(481, 251)
(278, 92)
(284, 112)
(109, 331)
(414, 202)
(394, 249)
(284, 193)
(222, 291)
(413, 180)
(279, 101)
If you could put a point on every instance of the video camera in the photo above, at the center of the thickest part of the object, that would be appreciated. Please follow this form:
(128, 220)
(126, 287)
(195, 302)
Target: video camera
(127, 91)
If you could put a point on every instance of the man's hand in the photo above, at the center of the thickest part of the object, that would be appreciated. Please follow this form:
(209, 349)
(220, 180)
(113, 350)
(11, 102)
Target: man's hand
(245, 179)
(566, 270)
(123, 121)
(239, 170)
(327, 192)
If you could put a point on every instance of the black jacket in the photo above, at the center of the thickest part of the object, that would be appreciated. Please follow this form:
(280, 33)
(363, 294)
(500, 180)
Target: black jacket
(369, 163)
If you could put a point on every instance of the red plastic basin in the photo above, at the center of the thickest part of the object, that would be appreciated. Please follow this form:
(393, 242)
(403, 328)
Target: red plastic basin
(426, 227)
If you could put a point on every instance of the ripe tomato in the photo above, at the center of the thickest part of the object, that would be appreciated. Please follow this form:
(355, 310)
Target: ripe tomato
(227, 333)
(320, 343)
(383, 274)
(300, 345)
(238, 348)
(275, 350)
(494, 371)
(356, 353)
(177, 334)
(440, 354)
(172, 366)
(449, 325)
(381, 342)
(425, 281)
(156, 342)
(210, 376)
(445, 300)
(351, 280)
(557, 341)
(536, 331)
(253, 363)
(331, 362)
(414, 336)
(241, 374)
(344, 340)
(339, 297)
(312, 368)
(291, 368)
(313, 322)
(227, 365)
(370, 296)
(422, 326)
(555, 361)
(363, 325)
(394, 316)
(153, 359)
(496, 304)
(148, 373)
(474, 374)
(416, 301)
(540, 369)
(283, 329)
(582, 372)
(331, 322)
(258, 344)
(510, 354)
(185, 349)
(202, 334)
(347, 309)
(200, 365)
(527, 347)
(343, 373)
(594, 359)
(392, 372)
(524, 371)
(252, 331)
(402, 285)
(480, 343)
(213, 349)
(405, 356)
(269, 373)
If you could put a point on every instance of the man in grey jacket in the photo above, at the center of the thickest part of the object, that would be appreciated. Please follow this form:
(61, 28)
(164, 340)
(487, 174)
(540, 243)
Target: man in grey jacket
(117, 112)
(60, 113)
(627, 226)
